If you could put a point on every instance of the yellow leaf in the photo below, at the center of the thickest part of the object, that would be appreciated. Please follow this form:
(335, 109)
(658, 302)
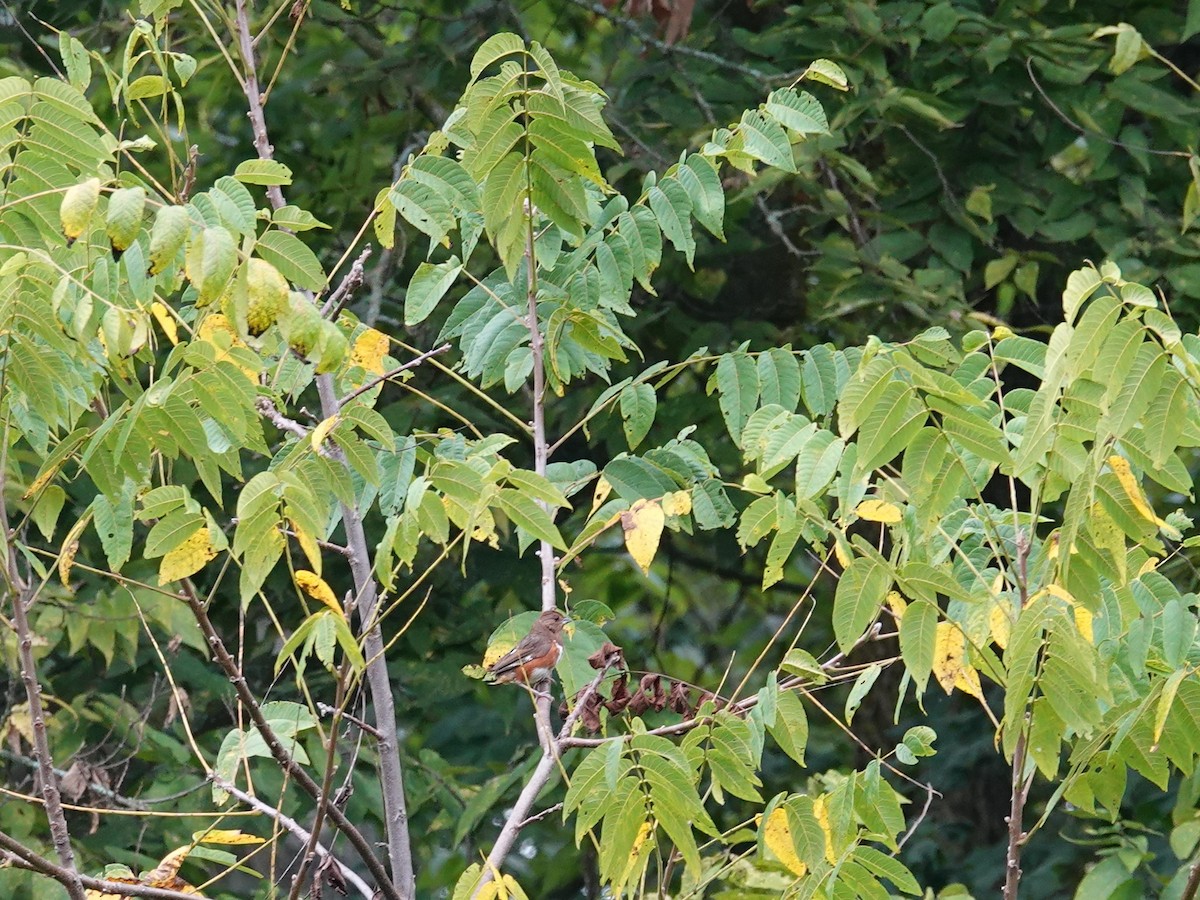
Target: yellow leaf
(677, 504)
(514, 890)
(821, 812)
(1083, 621)
(162, 315)
(188, 558)
(999, 624)
(603, 489)
(643, 525)
(495, 651)
(369, 349)
(967, 681)
(313, 585)
(1148, 566)
(308, 543)
(777, 835)
(896, 603)
(214, 324)
(842, 551)
(1129, 484)
(20, 721)
(1057, 590)
(637, 850)
(166, 870)
(322, 431)
(879, 511)
(217, 330)
(949, 649)
(70, 547)
(226, 836)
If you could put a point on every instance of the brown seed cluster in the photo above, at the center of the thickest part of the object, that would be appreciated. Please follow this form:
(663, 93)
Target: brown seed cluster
(653, 691)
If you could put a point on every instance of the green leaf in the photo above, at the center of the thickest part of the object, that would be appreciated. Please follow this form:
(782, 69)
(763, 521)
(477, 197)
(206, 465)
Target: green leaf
(826, 71)
(147, 86)
(429, 284)
(918, 637)
(292, 258)
(861, 687)
(757, 521)
(779, 377)
(635, 479)
(702, 183)
(1080, 285)
(423, 208)
(766, 141)
(527, 514)
(449, 180)
(113, 520)
(884, 866)
(672, 208)
(790, 728)
(235, 204)
(295, 219)
(817, 463)
(263, 171)
(797, 111)
(860, 594)
(737, 382)
(638, 403)
(494, 49)
(895, 419)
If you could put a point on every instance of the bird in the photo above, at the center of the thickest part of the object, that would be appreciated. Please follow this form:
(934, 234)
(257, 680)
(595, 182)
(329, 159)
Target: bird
(532, 661)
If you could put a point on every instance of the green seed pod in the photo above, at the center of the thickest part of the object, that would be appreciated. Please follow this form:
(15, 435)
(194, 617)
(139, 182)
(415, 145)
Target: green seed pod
(268, 295)
(78, 204)
(167, 235)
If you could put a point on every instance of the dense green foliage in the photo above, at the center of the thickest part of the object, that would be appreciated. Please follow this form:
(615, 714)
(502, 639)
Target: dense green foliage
(210, 442)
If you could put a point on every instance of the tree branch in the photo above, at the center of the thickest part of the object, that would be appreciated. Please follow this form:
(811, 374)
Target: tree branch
(518, 816)
(387, 376)
(296, 829)
(352, 280)
(279, 752)
(378, 677)
(19, 591)
(22, 855)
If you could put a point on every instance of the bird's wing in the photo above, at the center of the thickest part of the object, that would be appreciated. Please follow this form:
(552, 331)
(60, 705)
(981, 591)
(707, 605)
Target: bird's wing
(513, 659)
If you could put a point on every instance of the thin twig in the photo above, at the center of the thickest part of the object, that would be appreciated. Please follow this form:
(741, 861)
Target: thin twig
(345, 291)
(912, 826)
(1088, 132)
(387, 376)
(268, 410)
(1193, 882)
(326, 710)
(278, 751)
(1016, 812)
(291, 825)
(537, 817)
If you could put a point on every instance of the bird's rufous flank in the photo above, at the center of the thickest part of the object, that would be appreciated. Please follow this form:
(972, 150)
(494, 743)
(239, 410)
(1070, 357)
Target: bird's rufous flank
(532, 661)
